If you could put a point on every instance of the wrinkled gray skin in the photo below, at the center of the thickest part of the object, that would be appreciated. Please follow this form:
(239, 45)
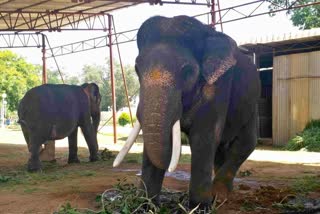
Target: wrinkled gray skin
(53, 112)
(190, 72)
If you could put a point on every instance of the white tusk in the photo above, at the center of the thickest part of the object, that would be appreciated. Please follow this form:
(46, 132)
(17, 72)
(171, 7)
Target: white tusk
(127, 146)
(176, 146)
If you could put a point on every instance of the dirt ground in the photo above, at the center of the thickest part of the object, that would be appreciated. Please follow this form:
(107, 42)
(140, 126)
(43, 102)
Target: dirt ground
(259, 186)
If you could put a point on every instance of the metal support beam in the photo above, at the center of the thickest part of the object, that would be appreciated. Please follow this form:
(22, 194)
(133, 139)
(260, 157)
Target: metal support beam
(20, 40)
(52, 21)
(213, 14)
(236, 10)
(113, 91)
(123, 75)
(182, 2)
(130, 35)
(94, 43)
(44, 68)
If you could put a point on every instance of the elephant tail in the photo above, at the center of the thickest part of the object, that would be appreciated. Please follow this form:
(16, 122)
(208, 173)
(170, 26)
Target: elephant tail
(22, 122)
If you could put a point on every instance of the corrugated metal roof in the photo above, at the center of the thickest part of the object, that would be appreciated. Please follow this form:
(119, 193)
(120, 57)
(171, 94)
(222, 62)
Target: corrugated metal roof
(299, 36)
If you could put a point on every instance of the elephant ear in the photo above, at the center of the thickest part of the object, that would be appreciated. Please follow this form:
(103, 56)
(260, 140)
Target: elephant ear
(92, 91)
(219, 55)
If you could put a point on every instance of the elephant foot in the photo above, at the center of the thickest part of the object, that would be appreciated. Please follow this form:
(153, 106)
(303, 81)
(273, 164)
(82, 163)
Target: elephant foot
(94, 158)
(74, 160)
(34, 166)
(221, 191)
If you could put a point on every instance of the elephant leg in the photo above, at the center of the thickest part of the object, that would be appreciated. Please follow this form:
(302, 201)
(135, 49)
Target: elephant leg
(152, 177)
(26, 136)
(73, 147)
(91, 139)
(202, 156)
(34, 163)
(237, 153)
(220, 157)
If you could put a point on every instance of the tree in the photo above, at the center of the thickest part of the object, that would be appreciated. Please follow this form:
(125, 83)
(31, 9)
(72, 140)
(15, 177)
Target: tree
(17, 76)
(54, 77)
(101, 76)
(304, 17)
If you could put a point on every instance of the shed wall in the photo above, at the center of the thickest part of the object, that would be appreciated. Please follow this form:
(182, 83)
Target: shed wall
(296, 97)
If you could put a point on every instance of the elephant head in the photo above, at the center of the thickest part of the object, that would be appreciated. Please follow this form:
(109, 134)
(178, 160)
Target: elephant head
(92, 91)
(180, 60)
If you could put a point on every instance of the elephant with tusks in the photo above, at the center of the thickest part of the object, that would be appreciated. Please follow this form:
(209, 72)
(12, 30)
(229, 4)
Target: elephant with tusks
(195, 79)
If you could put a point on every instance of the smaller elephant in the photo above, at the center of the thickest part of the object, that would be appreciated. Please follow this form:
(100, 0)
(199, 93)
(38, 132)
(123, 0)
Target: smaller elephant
(53, 112)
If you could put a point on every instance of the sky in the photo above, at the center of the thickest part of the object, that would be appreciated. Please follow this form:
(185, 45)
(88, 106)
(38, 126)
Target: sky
(133, 17)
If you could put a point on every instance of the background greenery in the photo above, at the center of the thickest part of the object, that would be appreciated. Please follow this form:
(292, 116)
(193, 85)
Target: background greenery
(308, 139)
(17, 76)
(304, 18)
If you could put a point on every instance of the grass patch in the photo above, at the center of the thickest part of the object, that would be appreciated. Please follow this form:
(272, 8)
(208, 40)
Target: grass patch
(248, 206)
(87, 173)
(308, 139)
(295, 207)
(30, 190)
(306, 184)
(5, 179)
(67, 209)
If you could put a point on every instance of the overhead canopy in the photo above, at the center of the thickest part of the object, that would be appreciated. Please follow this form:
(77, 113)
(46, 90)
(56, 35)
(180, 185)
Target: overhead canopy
(283, 44)
(37, 15)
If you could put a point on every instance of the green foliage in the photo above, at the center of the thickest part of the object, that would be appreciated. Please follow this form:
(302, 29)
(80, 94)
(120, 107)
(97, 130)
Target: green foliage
(308, 139)
(184, 139)
(16, 77)
(245, 173)
(53, 77)
(101, 76)
(313, 124)
(304, 17)
(67, 209)
(124, 119)
(297, 206)
(248, 206)
(306, 184)
(126, 198)
(5, 179)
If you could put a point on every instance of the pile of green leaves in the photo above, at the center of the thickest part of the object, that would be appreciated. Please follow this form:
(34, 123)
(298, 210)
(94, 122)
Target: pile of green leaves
(126, 198)
(308, 139)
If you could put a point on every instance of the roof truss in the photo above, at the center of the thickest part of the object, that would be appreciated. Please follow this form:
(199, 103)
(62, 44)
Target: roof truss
(57, 15)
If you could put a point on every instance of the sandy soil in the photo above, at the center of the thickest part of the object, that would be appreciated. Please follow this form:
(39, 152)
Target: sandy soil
(271, 175)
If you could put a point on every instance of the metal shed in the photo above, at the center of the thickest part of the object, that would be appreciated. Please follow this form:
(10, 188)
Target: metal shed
(289, 67)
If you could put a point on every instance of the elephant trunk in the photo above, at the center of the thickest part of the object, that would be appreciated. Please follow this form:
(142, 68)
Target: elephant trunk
(96, 121)
(160, 110)
(156, 137)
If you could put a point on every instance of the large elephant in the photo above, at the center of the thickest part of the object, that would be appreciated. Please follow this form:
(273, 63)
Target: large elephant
(52, 112)
(196, 78)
